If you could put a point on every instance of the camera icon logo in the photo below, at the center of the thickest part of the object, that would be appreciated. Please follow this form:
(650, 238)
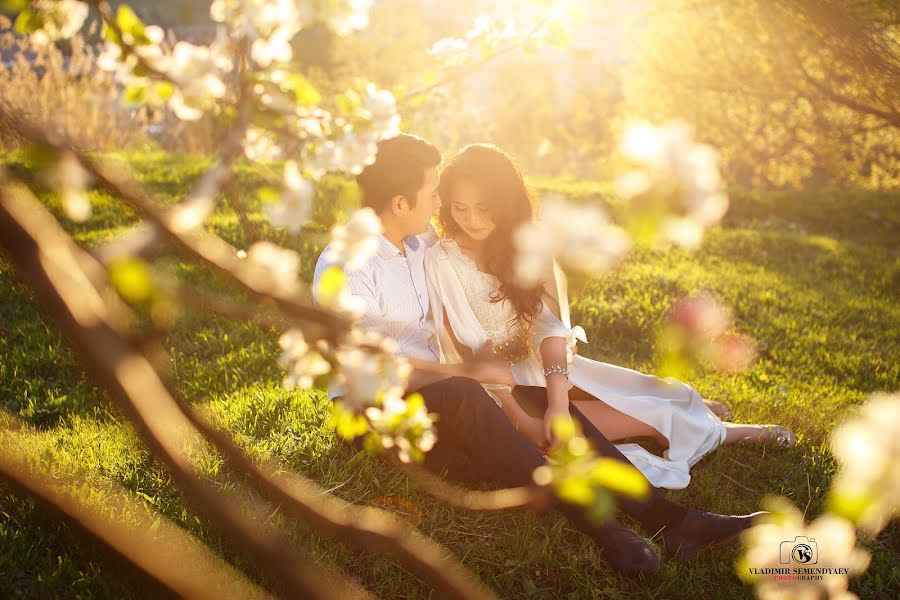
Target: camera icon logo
(801, 550)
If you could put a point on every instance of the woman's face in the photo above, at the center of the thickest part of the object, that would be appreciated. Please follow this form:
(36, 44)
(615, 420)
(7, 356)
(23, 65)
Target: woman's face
(469, 211)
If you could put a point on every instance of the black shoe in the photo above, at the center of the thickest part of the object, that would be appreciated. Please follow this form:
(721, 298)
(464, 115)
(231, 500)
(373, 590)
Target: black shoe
(626, 552)
(701, 530)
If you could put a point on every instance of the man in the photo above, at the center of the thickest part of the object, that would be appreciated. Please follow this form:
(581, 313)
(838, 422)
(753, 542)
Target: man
(476, 442)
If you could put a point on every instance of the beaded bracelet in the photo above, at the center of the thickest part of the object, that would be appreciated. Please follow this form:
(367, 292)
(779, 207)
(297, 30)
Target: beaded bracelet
(556, 369)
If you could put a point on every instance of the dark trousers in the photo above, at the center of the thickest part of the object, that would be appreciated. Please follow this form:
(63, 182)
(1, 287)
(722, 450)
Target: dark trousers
(477, 443)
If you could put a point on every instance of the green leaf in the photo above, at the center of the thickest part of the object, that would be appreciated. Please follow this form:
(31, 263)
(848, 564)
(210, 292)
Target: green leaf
(575, 490)
(268, 194)
(677, 365)
(129, 23)
(331, 283)
(140, 70)
(164, 90)
(346, 423)
(348, 102)
(131, 278)
(619, 477)
(111, 34)
(564, 429)
(603, 508)
(303, 91)
(135, 94)
(414, 402)
(27, 22)
(13, 5)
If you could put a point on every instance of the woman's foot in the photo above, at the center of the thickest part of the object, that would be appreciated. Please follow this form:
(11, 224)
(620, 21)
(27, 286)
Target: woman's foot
(720, 409)
(770, 436)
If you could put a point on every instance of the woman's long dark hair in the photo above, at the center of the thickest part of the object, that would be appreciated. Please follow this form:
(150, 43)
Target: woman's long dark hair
(510, 204)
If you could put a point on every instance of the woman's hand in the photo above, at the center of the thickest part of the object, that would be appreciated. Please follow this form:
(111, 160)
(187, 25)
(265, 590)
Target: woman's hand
(552, 414)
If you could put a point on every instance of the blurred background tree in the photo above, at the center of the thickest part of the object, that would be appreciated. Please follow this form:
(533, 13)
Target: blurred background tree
(795, 93)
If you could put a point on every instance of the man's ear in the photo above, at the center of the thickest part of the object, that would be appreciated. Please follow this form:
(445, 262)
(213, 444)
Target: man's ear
(399, 205)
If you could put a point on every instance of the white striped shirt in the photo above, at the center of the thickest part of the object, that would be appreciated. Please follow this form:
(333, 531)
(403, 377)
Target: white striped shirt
(395, 292)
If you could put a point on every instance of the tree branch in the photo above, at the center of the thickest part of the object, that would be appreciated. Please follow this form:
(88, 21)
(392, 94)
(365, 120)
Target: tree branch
(33, 239)
(45, 259)
(173, 561)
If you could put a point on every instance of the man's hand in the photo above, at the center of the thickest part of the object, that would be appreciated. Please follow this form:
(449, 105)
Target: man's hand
(533, 429)
(487, 367)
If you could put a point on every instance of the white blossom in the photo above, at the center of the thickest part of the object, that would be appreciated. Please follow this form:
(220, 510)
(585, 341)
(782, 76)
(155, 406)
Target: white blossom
(351, 16)
(259, 144)
(295, 205)
(578, 235)
(403, 425)
(770, 543)
(353, 243)
(301, 364)
(370, 369)
(674, 166)
(381, 109)
(61, 19)
(273, 265)
(448, 47)
(269, 25)
(868, 450)
(197, 72)
(71, 180)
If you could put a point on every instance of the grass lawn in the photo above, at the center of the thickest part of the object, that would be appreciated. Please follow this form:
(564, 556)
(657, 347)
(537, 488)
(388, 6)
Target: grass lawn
(814, 278)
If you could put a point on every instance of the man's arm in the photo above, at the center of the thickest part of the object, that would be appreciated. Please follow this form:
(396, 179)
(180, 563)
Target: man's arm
(483, 367)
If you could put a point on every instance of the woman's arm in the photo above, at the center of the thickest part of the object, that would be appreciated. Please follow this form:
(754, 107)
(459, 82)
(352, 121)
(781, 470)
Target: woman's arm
(553, 353)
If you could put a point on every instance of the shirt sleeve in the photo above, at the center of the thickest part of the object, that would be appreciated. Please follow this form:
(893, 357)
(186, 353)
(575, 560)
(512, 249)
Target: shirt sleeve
(361, 288)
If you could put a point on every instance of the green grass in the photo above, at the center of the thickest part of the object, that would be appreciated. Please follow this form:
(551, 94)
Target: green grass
(813, 278)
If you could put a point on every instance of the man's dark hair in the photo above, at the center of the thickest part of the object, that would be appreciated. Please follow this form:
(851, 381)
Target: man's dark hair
(398, 170)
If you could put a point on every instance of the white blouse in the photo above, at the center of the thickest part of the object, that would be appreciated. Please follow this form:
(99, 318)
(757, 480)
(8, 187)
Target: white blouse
(457, 289)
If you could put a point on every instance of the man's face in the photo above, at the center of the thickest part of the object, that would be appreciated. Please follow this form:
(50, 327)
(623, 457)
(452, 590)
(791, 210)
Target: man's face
(428, 201)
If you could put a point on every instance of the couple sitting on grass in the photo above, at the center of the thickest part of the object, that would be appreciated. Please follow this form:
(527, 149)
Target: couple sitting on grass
(504, 375)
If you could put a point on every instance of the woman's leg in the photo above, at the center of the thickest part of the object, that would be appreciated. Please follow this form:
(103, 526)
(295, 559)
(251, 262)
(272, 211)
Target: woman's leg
(761, 435)
(613, 424)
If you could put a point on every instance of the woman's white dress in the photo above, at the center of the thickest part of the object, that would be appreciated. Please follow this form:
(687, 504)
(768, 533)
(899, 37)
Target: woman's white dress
(460, 291)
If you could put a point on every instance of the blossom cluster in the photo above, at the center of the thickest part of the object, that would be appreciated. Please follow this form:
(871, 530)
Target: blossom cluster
(698, 330)
(673, 184)
(867, 446)
(579, 476)
(579, 236)
(371, 380)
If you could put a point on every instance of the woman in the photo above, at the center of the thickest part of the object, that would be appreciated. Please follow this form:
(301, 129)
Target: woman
(474, 301)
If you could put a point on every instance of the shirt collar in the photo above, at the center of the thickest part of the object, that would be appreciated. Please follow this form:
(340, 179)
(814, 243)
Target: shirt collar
(386, 249)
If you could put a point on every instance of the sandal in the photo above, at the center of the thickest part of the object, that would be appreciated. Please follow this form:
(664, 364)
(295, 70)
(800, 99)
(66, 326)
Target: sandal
(775, 436)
